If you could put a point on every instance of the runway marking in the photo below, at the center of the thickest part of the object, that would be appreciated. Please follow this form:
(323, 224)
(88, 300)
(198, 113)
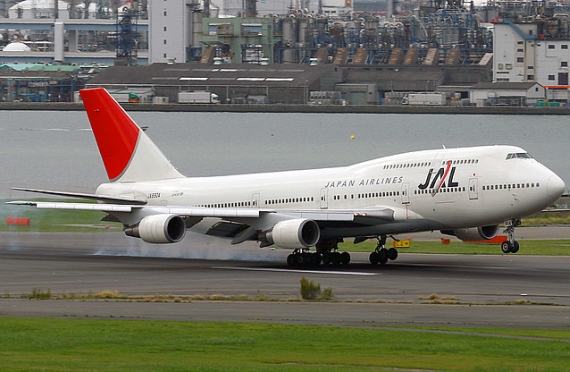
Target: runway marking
(296, 271)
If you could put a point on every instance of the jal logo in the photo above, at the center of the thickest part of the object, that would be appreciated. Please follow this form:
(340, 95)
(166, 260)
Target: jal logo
(443, 178)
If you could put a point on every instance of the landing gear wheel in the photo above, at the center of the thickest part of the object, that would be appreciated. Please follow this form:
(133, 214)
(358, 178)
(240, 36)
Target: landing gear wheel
(291, 260)
(327, 258)
(315, 259)
(374, 258)
(335, 258)
(383, 256)
(392, 254)
(515, 247)
(345, 258)
(506, 247)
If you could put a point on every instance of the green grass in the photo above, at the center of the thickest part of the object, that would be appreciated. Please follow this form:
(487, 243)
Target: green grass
(124, 345)
(529, 247)
(550, 218)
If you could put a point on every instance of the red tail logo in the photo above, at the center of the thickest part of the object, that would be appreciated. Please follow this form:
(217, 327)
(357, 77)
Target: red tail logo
(115, 132)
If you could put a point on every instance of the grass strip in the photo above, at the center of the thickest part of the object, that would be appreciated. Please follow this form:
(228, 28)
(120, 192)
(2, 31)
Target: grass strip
(125, 345)
(528, 247)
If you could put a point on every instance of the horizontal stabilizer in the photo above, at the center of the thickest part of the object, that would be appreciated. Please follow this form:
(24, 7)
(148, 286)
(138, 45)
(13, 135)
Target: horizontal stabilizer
(101, 198)
(77, 206)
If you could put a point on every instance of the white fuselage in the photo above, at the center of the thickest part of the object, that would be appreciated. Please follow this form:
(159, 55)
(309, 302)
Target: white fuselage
(427, 190)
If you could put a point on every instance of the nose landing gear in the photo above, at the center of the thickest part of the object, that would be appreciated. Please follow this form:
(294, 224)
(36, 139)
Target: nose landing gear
(510, 245)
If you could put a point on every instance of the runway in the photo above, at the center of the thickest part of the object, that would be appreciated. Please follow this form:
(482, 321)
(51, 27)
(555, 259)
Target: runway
(495, 291)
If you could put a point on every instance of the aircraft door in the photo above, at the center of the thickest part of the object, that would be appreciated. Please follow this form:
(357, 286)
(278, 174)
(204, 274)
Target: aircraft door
(324, 198)
(255, 200)
(473, 191)
(406, 193)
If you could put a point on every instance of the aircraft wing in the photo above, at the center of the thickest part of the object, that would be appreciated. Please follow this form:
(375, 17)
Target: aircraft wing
(239, 224)
(125, 208)
(363, 216)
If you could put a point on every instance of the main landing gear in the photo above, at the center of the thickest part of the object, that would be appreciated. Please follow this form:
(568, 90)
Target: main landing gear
(381, 255)
(304, 258)
(327, 253)
(511, 245)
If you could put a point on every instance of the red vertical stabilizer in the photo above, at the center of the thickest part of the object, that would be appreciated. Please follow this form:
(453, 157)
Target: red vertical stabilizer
(128, 153)
(115, 132)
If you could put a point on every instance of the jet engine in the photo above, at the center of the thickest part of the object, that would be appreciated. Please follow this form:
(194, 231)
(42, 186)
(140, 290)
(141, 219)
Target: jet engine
(475, 233)
(293, 234)
(159, 228)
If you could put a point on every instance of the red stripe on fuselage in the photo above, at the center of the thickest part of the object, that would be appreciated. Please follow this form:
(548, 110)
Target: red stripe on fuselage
(115, 132)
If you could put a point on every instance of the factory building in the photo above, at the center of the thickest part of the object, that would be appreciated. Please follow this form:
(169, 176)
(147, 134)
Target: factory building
(507, 94)
(141, 32)
(174, 30)
(75, 32)
(232, 83)
(5, 6)
(537, 50)
(292, 84)
(42, 83)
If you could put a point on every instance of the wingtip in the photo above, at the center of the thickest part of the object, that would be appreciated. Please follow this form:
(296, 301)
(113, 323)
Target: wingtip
(22, 202)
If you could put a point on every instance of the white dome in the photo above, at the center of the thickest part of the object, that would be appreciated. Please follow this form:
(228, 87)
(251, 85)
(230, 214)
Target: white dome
(17, 47)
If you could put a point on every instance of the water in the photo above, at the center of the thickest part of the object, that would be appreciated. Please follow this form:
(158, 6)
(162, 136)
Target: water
(57, 149)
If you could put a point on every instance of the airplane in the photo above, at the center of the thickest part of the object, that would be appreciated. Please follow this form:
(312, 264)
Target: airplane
(466, 192)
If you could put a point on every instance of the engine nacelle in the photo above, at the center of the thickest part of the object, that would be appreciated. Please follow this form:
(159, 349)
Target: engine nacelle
(293, 234)
(159, 228)
(475, 233)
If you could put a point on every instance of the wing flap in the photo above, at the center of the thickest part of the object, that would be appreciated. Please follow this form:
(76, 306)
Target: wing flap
(208, 212)
(364, 216)
(326, 216)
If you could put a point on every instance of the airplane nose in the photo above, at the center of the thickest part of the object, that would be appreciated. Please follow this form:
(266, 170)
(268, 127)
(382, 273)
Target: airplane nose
(555, 186)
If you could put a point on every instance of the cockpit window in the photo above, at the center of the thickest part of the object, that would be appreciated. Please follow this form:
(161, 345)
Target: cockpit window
(519, 155)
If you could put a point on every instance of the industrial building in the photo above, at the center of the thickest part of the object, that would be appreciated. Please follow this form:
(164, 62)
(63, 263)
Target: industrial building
(507, 94)
(234, 84)
(291, 84)
(536, 50)
(423, 46)
(41, 82)
(69, 32)
(185, 31)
